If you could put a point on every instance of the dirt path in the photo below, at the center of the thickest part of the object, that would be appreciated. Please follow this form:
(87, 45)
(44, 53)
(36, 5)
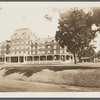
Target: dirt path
(7, 85)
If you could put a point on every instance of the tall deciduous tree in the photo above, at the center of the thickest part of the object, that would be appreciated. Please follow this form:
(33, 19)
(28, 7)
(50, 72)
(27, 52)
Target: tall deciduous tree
(86, 52)
(74, 31)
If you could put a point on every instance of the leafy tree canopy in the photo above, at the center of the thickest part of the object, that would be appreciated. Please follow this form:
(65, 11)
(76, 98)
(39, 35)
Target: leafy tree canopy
(86, 52)
(74, 30)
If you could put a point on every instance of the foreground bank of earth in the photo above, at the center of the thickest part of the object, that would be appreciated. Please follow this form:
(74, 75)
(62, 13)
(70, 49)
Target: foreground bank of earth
(78, 75)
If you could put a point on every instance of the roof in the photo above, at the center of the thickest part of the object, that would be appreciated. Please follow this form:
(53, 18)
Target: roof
(6, 41)
(48, 39)
(22, 29)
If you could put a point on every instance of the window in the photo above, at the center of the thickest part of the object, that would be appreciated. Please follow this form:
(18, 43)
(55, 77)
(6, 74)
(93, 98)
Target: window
(48, 51)
(13, 43)
(54, 41)
(24, 33)
(54, 46)
(22, 47)
(26, 52)
(43, 46)
(22, 52)
(13, 48)
(26, 47)
(4, 48)
(48, 46)
(61, 51)
(22, 37)
(60, 47)
(34, 43)
(38, 47)
(17, 42)
(12, 52)
(33, 52)
(26, 37)
(22, 42)
(13, 38)
(30, 43)
(33, 48)
(17, 37)
(26, 42)
(43, 52)
(17, 48)
(65, 51)
(17, 52)
(54, 51)
(38, 52)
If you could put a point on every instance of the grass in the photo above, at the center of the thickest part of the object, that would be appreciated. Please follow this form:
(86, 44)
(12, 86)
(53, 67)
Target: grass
(87, 79)
(64, 75)
(28, 71)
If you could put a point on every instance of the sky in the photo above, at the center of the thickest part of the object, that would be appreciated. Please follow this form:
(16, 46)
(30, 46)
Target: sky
(13, 18)
(17, 15)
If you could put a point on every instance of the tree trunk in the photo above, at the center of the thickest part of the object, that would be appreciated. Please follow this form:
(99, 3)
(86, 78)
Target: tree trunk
(74, 58)
(80, 60)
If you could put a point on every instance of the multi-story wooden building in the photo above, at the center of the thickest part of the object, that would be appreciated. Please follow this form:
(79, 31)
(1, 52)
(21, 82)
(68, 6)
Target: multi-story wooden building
(25, 47)
(4, 49)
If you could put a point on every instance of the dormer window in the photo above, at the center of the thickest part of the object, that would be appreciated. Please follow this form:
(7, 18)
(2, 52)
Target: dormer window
(24, 33)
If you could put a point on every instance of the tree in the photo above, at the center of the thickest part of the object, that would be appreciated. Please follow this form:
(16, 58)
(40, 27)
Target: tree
(95, 18)
(74, 31)
(86, 52)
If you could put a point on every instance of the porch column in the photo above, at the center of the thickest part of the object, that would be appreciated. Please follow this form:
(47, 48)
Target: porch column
(9, 59)
(33, 59)
(18, 59)
(60, 58)
(39, 59)
(5, 59)
(53, 58)
(70, 58)
(2, 59)
(64, 58)
(24, 59)
(46, 59)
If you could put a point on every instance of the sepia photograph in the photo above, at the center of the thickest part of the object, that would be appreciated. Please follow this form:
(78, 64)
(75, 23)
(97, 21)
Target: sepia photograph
(49, 47)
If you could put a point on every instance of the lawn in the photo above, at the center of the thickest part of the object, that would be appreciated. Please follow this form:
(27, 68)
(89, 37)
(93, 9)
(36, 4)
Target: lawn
(78, 75)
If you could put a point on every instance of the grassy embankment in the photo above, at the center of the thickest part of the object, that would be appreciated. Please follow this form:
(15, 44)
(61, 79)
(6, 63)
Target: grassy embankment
(64, 75)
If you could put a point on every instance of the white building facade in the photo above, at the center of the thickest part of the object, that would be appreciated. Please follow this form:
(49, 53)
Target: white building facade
(25, 47)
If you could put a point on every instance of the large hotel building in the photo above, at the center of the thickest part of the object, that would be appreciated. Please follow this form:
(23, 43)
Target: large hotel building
(25, 47)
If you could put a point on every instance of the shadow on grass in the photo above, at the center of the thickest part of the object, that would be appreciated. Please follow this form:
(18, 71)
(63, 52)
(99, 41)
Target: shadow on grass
(28, 71)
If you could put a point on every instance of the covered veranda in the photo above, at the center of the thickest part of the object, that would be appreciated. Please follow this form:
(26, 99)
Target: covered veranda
(37, 58)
